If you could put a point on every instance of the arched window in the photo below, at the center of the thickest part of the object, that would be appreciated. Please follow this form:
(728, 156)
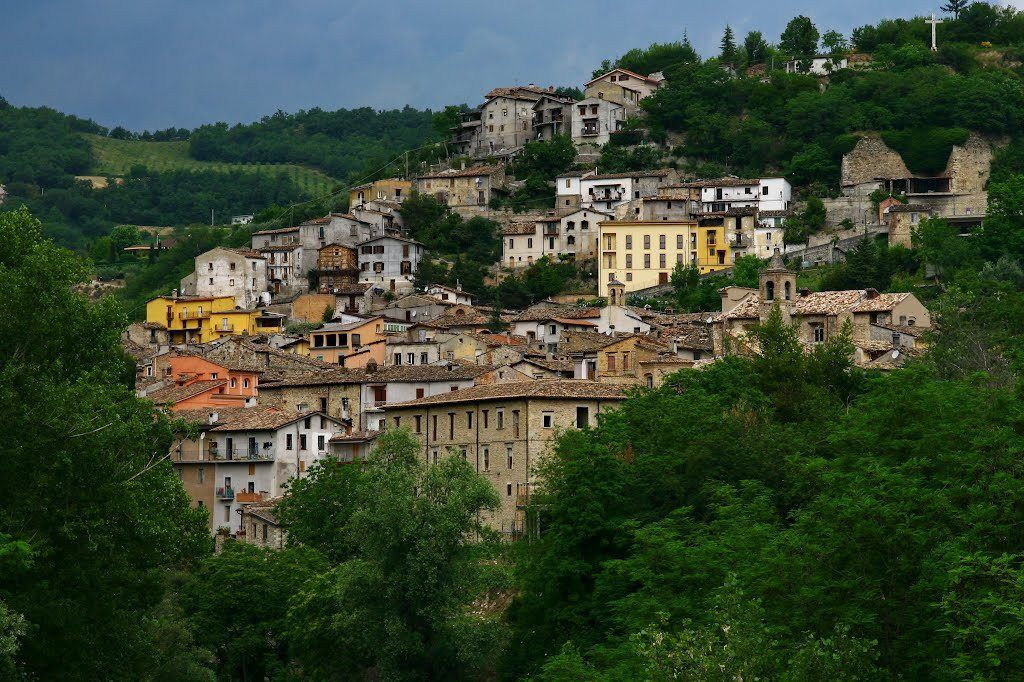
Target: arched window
(787, 291)
(769, 291)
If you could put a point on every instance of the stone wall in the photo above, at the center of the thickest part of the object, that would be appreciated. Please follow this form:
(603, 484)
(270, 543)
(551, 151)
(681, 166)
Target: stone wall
(871, 158)
(970, 165)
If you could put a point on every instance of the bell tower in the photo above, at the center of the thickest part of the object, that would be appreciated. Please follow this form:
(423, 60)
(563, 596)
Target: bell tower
(616, 293)
(777, 286)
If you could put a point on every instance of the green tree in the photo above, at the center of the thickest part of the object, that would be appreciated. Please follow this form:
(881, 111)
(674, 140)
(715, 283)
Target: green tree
(728, 52)
(756, 48)
(800, 39)
(248, 635)
(87, 481)
(398, 603)
(955, 7)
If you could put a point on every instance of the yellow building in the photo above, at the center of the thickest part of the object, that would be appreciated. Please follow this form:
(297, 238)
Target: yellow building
(199, 319)
(711, 246)
(390, 189)
(642, 254)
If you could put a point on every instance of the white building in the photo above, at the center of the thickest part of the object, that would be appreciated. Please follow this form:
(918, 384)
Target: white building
(448, 294)
(594, 120)
(568, 190)
(258, 450)
(607, 191)
(390, 262)
(764, 194)
(822, 65)
(223, 271)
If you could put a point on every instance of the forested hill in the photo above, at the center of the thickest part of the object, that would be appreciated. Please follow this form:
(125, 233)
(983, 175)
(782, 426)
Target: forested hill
(337, 142)
(178, 177)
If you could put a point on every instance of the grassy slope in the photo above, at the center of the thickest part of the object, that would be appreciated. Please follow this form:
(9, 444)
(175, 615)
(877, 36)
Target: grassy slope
(116, 157)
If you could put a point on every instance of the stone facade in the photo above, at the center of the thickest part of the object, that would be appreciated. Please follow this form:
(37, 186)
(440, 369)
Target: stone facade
(241, 273)
(503, 438)
(869, 160)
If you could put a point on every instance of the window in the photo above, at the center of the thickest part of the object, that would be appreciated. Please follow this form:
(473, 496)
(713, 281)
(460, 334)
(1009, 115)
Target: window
(302, 441)
(434, 453)
(234, 383)
(661, 241)
(469, 420)
(410, 358)
(307, 423)
(210, 267)
(419, 423)
(211, 280)
(398, 358)
(245, 383)
(323, 405)
(231, 282)
(819, 333)
(232, 267)
(769, 291)
(508, 454)
(487, 459)
(529, 243)
(611, 362)
(582, 417)
(435, 434)
(629, 241)
(201, 474)
(451, 426)
(764, 190)
(424, 359)
(419, 393)
(661, 260)
(679, 241)
(629, 260)
(508, 489)
(548, 420)
(501, 419)
(647, 260)
(647, 241)
(398, 422)
(515, 423)
(625, 361)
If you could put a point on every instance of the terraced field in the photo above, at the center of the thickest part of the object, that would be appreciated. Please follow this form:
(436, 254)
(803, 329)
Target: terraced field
(116, 157)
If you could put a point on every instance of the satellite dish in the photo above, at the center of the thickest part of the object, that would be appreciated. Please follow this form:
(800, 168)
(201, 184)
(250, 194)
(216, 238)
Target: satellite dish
(895, 354)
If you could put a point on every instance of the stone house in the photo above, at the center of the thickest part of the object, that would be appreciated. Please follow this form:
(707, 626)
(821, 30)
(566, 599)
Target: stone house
(903, 219)
(552, 116)
(336, 265)
(286, 272)
(594, 120)
(521, 244)
(607, 191)
(570, 234)
(568, 189)
(414, 308)
(222, 271)
(260, 526)
(388, 189)
(390, 262)
(383, 218)
(623, 86)
(506, 119)
(504, 430)
(352, 447)
(463, 187)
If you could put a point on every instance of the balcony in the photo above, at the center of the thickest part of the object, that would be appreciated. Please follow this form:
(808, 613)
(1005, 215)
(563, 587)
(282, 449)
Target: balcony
(590, 131)
(241, 455)
(224, 327)
(193, 314)
(225, 493)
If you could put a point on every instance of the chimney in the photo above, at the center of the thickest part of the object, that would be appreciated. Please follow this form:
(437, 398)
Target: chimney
(371, 366)
(463, 164)
(174, 294)
(871, 293)
(214, 417)
(551, 88)
(896, 344)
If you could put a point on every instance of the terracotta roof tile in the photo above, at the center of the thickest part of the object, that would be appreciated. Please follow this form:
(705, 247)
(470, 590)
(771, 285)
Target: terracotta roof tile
(175, 394)
(473, 172)
(881, 302)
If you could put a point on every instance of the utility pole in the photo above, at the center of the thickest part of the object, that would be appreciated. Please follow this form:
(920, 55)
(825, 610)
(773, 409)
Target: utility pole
(211, 217)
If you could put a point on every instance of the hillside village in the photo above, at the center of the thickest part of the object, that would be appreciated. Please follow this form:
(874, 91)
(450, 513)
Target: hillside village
(698, 368)
(314, 339)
